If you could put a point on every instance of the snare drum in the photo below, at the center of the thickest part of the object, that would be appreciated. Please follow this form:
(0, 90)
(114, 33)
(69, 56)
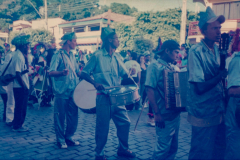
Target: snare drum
(124, 95)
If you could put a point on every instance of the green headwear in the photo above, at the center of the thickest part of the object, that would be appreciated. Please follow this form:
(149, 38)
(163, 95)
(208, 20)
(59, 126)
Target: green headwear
(21, 39)
(106, 31)
(209, 17)
(68, 36)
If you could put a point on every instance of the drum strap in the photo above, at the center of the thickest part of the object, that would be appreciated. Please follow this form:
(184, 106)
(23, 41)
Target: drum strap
(71, 65)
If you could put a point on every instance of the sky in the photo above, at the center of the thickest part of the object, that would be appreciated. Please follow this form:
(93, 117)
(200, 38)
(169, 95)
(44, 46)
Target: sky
(154, 5)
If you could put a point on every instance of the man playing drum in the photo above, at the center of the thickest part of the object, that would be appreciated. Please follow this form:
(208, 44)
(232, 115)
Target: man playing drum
(205, 97)
(64, 71)
(167, 121)
(105, 68)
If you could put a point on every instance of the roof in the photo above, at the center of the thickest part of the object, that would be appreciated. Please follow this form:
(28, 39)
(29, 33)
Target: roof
(114, 17)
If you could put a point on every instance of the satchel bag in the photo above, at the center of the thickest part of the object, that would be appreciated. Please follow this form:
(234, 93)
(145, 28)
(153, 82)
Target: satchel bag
(8, 78)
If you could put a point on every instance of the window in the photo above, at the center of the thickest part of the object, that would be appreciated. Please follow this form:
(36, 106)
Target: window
(230, 10)
(66, 30)
(79, 29)
(96, 28)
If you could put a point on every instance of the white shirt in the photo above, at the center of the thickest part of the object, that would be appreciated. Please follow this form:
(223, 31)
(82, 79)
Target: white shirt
(133, 64)
(18, 65)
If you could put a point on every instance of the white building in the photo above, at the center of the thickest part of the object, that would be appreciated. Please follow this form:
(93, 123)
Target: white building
(88, 30)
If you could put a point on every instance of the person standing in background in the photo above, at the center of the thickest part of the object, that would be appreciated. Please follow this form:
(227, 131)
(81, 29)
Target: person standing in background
(141, 61)
(7, 50)
(233, 110)
(3, 89)
(147, 58)
(132, 64)
(21, 83)
(9, 88)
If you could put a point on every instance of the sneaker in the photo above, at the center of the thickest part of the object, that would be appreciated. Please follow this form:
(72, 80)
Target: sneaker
(62, 145)
(145, 105)
(100, 158)
(9, 124)
(21, 129)
(151, 122)
(71, 142)
(126, 153)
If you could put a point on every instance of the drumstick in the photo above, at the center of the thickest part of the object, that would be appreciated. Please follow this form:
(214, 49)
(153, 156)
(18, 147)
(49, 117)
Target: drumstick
(105, 88)
(140, 113)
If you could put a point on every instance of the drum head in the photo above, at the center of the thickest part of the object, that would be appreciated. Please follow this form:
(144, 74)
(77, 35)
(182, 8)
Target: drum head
(84, 98)
(122, 90)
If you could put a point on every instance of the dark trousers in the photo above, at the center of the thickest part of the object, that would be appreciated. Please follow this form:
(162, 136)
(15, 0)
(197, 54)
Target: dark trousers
(21, 99)
(4, 98)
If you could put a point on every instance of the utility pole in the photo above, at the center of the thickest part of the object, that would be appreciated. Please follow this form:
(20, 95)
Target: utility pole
(46, 15)
(183, 24)
(109, 17)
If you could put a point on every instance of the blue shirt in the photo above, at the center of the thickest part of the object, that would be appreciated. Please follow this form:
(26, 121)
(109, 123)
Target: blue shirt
(105, 69)
(233, 80)
(202, 66)
(64, 86)
(155, 80)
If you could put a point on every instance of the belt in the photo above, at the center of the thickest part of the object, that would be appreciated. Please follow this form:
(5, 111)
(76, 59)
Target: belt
(101, 94)
(207, 122)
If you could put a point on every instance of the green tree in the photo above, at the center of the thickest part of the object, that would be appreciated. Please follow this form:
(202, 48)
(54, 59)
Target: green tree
(151, 25)
(36, 35)
(122, 9)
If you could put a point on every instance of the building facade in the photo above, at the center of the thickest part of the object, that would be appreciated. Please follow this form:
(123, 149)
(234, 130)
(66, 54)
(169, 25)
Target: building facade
(88, 30)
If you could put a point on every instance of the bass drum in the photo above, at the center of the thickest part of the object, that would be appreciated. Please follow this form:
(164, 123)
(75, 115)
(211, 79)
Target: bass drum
(85, 99)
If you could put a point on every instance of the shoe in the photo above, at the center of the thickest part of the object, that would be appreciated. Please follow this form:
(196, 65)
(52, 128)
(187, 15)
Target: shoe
(126, 153)
(146, 105)
(62, 145)
(21, 129)
(151, 122)
(71, 142)
(9, 124)
(100, 158)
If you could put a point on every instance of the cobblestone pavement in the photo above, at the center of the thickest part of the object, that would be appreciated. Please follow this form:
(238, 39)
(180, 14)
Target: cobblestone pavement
(39, 142)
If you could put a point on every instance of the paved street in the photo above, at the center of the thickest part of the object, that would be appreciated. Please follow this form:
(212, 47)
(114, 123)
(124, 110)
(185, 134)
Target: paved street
(39, 142)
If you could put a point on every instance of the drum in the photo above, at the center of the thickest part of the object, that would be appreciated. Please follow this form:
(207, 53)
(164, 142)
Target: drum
(124, 95)
(85, 99)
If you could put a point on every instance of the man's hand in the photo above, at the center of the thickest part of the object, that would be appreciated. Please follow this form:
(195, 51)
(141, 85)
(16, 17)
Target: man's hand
(223, 74)
(159, 121)
(65, 72)
(132, 71)
(99, 86)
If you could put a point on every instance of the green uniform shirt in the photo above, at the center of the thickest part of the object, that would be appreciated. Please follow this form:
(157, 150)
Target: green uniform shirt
(105, 69)
(203, 65)
(64, 86)
(155, 80)
(233, 80)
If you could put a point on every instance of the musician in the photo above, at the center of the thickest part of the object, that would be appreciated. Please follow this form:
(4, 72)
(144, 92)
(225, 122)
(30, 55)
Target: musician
(19, 64)
(232, 115)
(64, 71)
(205, 100)
(106, 70)
(167, 121)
